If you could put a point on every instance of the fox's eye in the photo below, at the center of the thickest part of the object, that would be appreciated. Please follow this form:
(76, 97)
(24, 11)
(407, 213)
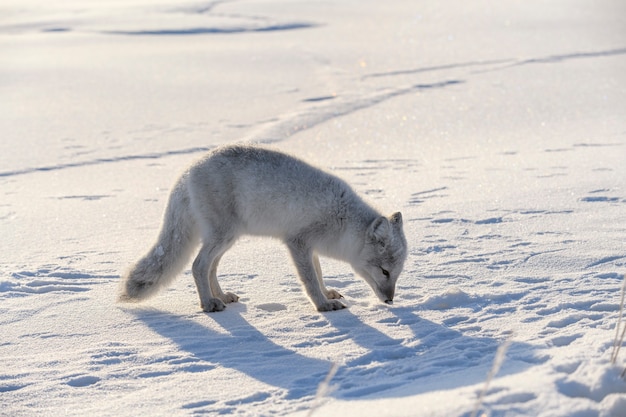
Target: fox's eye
(385, 272)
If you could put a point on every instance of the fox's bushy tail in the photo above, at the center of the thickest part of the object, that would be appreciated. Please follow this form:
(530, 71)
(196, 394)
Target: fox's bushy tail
(170, 253)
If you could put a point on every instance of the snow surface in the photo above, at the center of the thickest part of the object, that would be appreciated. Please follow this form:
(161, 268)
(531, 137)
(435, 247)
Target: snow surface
(497, 128)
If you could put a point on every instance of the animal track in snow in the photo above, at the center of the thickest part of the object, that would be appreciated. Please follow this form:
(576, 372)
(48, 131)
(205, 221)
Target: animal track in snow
(51, 279)
(594, 381)
(272, 307)
(199, 404)
(254, 398)
(11, 387)
(566, 340)
(605, 260)
(601, 196)
(83, 381)
(573, 318)
(515, 398)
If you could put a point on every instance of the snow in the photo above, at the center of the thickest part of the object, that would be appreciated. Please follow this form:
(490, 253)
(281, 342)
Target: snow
(497, 128)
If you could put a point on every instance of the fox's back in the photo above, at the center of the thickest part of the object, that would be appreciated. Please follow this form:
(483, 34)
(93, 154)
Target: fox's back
(268, 192)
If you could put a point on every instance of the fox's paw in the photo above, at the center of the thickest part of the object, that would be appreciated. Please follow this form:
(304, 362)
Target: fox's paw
(229, 297)
(214, 304)
(331, 305)
(333, 294)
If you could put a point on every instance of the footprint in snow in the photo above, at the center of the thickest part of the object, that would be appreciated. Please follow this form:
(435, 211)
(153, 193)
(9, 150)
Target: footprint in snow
(272, 307)
(83, 381)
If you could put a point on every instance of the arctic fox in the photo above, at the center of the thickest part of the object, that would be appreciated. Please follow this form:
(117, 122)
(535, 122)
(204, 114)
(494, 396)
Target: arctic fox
(237, 190)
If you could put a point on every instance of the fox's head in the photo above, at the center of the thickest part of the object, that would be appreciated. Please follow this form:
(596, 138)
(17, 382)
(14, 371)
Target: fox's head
(383, 256)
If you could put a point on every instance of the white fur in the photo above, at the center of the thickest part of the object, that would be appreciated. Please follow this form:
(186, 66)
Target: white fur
(239, 190)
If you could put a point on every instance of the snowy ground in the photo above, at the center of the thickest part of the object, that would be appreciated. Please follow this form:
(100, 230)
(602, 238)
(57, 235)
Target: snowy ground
(497, 128)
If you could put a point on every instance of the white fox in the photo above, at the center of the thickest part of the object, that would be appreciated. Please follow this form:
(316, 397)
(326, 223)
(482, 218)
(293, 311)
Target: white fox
(238, 190)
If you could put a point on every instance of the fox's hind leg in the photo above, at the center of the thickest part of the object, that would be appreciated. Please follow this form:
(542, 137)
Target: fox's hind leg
(204, 269)
(330, 294)
(228, 297)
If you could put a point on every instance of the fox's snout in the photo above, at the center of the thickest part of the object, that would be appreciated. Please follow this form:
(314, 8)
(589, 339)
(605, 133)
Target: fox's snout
(386, 295)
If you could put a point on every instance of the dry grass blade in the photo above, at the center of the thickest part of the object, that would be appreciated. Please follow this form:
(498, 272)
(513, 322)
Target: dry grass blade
(619, 339)
(323, 389)
(497, 363)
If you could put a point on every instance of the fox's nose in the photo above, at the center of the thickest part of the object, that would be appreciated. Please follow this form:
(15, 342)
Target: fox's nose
(390, 301)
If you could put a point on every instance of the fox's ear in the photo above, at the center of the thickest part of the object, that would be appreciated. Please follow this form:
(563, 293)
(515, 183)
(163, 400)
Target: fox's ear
(379, 229)
(396, 219)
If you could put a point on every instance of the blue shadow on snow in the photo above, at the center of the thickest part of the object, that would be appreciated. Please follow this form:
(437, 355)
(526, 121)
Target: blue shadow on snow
(435, 357)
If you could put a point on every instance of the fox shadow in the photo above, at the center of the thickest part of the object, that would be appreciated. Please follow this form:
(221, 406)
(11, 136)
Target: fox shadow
(241, 347)
(416, 364)
(433, 357)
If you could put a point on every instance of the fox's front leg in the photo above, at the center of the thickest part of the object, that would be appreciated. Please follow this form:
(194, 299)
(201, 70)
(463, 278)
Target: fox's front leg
(331, 294)
(303, 260)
